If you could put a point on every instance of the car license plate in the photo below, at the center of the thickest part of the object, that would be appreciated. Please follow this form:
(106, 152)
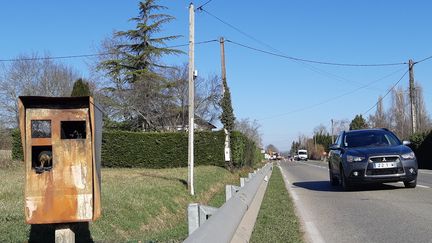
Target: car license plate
(384, 165)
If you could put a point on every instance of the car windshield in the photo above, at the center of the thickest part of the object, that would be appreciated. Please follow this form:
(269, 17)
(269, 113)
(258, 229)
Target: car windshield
(301, 152)
(370, 139)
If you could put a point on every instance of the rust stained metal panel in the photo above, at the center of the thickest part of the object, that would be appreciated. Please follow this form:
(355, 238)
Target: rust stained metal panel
(96, 128)
(41, 141)
(22, 122)
(65, 193)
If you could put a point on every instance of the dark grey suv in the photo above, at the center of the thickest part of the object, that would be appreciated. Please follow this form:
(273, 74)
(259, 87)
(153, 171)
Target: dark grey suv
(371, 156)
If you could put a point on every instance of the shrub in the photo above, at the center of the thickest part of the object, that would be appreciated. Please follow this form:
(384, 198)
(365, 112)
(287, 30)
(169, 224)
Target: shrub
(243, 150)
(421, 144)
(17, 149)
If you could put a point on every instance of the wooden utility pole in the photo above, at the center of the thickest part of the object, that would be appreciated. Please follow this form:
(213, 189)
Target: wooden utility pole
(227, 149)
(412, 96)
(332, 131)
(191, 99)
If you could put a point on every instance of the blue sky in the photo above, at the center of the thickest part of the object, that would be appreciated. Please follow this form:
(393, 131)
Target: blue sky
(287, 98)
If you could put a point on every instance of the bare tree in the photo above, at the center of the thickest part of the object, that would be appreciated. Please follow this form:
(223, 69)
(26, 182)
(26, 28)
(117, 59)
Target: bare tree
(272, 149)
(399, 113)
(320, 129)
(340, 125)
(31, 75)
(380, 118)
(423, 119)
(208, 92)
(250, 129)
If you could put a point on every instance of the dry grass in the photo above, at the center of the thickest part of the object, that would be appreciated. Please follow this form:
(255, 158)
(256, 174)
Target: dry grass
(137, 204)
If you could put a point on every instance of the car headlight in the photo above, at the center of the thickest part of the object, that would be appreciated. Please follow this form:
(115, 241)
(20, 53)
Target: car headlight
(351, 158)
(409, 155)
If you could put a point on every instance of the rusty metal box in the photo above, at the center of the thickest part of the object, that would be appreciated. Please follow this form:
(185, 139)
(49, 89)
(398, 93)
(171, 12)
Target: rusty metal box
(61, 138)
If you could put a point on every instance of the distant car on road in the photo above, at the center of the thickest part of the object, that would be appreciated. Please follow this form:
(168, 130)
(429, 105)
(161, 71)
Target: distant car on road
(302, 154)
(371, 156)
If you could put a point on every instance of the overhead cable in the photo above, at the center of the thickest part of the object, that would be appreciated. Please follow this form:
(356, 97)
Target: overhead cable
(332, 98)
(202, 5)
(386, 93)
(89, 55)
(317, 62)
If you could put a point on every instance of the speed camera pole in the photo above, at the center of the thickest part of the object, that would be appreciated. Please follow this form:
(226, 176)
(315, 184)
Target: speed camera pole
(191, 100)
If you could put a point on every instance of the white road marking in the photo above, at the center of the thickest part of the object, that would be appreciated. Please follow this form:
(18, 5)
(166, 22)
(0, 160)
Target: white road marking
(400, 182)
(425, 172)
(314, 234)
(322, 167)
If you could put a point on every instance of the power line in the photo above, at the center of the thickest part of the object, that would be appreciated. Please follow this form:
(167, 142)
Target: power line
(386, 93)
(89, 55)
(290, 57)
(424, 59)
(331, 99)
(202, 5)
(318, 62)
(305, 65)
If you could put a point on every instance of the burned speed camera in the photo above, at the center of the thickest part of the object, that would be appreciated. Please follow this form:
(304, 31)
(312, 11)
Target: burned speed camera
(61, 138)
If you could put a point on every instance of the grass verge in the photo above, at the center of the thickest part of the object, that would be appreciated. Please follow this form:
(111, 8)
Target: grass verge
(145, 205)
(276, 221)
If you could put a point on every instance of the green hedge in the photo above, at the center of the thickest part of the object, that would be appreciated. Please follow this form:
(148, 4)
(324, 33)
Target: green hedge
(421, 144)
(160, 150)
(17, 151)
(244, 151)
(166, 150)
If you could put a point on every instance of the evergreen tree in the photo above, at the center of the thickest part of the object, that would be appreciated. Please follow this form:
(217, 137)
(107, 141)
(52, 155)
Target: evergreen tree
(227, 117)
(358, 123)
(80, 88)
(133, 65)
(141, 49)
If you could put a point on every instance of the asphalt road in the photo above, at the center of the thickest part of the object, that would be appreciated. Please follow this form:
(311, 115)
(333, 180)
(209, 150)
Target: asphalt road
(374, 213)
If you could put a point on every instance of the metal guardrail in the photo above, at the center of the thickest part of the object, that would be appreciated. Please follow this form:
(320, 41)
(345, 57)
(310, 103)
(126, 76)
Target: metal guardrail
(222, 225)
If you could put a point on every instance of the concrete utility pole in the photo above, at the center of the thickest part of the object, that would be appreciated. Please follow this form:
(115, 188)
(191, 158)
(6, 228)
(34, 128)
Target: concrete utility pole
(227, 149)
(191, 99)
(412, 96)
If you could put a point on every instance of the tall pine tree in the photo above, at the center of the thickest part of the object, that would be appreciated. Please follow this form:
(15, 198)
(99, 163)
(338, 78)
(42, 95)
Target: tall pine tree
(134, 65)
(227, 117)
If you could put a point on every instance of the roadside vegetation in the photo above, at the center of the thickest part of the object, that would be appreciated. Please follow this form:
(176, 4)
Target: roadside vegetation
(137, 204)
(276, 220)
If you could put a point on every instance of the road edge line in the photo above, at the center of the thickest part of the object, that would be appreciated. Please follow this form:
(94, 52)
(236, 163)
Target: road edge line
(311, 232)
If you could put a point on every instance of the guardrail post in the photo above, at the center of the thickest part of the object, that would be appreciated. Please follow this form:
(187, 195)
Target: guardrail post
(198, 214)
(242, 181)
(230, 190)
(205, 212)
(193, 217)
(223, 224)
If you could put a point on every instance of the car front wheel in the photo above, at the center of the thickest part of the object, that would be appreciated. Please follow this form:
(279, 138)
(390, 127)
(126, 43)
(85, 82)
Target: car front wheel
(410, 184)
(344, 182)
(333, 181)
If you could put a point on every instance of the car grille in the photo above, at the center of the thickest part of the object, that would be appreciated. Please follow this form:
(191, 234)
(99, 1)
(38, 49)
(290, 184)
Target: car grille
(370, 171)
(379, 159)
(390, 171)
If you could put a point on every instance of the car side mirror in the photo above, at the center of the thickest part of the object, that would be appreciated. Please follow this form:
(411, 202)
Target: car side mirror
(406, 143)
(335, 147)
